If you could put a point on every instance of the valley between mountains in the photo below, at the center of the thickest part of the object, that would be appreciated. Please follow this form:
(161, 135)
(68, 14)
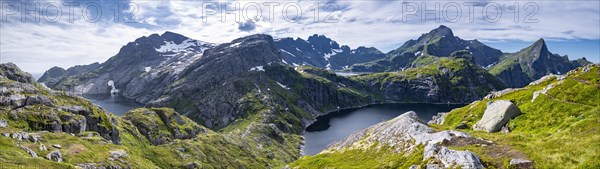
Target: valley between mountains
(246, 104)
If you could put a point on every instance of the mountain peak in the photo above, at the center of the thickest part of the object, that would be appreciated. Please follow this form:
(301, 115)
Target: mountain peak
(442, 31)
(317, 37)
(323, 42)
(175, 37)
(540, 41)
(539, 46)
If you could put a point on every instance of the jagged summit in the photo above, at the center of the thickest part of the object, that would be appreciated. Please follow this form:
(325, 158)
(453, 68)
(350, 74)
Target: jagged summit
(442, 31)
(439, 42)
(321, 51)
(175, 37)
(540, 43)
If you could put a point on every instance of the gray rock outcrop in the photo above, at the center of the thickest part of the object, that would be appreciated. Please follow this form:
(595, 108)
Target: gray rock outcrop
(449, 157)
(117, 154)
(404, 133)
(402, 130)
(29, 151)
(12, 72)
(496, 115)
(3, 123)
(521, 164)
(55, 156)
(438, 119)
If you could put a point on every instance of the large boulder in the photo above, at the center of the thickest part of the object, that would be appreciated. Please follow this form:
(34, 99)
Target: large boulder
(496, 115)
(55, 156)
(449, 157)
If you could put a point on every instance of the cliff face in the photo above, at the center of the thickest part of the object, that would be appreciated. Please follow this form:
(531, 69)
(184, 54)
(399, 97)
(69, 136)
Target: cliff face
(445, 80)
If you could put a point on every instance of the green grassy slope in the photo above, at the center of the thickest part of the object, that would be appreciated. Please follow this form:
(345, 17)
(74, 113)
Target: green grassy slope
(558, 129)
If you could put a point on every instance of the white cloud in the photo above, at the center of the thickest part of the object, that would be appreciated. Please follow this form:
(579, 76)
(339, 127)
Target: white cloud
(36, 47)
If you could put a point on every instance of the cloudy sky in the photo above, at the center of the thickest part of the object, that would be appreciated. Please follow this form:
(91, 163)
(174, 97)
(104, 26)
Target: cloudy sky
(37, 35)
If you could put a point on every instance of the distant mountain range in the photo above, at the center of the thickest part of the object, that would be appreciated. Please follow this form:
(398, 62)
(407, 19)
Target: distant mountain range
(205, 80)
(514, 69)
(173, 52)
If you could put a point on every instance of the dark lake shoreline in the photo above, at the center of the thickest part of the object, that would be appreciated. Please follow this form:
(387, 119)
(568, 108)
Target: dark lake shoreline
(339, 124)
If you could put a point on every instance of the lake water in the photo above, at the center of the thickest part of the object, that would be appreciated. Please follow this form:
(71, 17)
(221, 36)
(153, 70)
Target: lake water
(117, 105)
(340, 124)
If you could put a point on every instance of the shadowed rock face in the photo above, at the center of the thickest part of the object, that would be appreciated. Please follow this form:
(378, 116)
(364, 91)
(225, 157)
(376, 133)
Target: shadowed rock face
(496, 115)
(214, 84)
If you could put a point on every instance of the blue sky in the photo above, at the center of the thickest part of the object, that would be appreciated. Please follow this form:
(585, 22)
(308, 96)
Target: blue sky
(570, 28)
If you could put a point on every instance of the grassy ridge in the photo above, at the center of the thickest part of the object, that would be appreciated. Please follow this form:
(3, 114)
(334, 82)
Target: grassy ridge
(559, 128)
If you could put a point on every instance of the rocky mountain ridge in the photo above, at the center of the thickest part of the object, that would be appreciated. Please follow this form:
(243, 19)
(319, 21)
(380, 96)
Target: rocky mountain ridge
(321, 51)
(439, 42)
(514, 69)
(521, 68)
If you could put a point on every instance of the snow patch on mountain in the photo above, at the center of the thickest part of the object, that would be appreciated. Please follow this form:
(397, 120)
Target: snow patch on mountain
(186, 45)
(170, 46)
(235, 45)
(285, 51)
(257, 68)
(283, 86)
(333, 52)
